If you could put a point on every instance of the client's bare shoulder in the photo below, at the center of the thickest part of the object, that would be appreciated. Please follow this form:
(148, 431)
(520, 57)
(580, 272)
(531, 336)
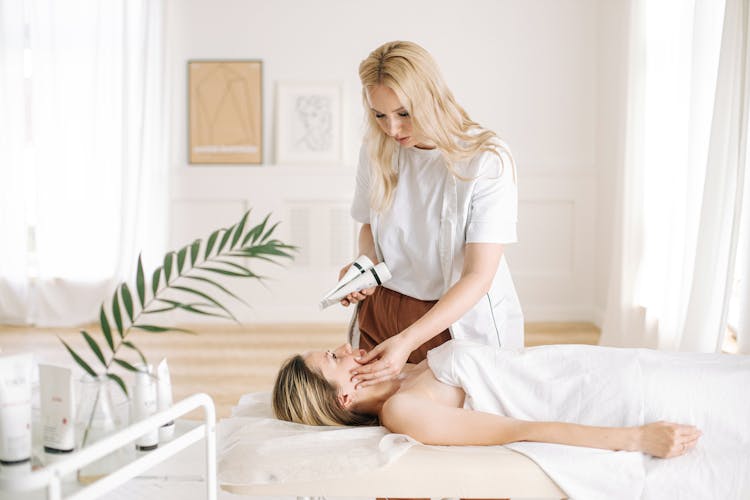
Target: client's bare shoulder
(419, 387)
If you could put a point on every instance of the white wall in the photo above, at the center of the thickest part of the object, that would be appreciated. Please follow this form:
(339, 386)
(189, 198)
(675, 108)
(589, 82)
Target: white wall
(613, 47)
(529, 69)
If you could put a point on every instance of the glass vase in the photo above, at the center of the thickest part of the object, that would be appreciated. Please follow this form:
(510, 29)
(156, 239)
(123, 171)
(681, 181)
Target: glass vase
(97, 417)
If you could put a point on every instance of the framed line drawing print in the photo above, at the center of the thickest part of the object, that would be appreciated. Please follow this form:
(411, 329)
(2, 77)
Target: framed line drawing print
(308, 122)
(225, 108)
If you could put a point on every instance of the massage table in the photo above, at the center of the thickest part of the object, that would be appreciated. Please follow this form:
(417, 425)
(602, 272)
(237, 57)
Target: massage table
(414, 471)
(422, 472)
(427, 471)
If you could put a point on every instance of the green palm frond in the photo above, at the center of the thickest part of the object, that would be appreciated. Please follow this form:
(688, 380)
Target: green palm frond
(224, 255)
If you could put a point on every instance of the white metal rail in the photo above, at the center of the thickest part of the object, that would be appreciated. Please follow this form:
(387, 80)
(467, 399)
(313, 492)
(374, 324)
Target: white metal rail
(50, 477)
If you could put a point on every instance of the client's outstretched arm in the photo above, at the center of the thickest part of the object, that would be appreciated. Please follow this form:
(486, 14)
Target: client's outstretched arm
(431, 423)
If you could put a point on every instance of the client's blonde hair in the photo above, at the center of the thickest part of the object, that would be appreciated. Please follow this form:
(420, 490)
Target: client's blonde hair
(411, 72)
(304, 396)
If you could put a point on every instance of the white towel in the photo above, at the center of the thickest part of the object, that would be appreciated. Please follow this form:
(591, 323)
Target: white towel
(616, 387)
(256, 448)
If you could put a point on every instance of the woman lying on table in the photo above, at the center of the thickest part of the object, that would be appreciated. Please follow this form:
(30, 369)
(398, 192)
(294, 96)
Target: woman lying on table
(469, 394)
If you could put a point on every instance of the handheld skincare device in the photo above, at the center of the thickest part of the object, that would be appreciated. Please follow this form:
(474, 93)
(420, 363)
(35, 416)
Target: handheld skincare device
(359, 266)
(372, 277)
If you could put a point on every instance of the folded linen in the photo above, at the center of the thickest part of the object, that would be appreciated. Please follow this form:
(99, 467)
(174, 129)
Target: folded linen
(257, 448)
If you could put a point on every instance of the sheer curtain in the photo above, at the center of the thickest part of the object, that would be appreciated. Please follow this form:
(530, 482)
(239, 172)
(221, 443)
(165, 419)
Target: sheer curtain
(87, 152)
(683, 180)
(13, 138)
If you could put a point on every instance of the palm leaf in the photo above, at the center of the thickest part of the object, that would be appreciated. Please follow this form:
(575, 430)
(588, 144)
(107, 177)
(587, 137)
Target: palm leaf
(255, 232)
(161, 329)
(127, 300)
(151, 328)
(217, 285)
(181, 259)
(193, 308)
(205, 296)
(132, 346)
(224, 240)
(116, 313)
(268, 233)
(140, 283)
(126, 365)
(159, 310)
(155, 280)
(79, 360)
(238, 231)
(269, 247)
(225, 245)
(244, 270)
(266, 249)
(194, 250)
(94, 347)
(211, 242)
(106, 330)
(119, 381)
(259, 257)
(168, 266)
(223, 271)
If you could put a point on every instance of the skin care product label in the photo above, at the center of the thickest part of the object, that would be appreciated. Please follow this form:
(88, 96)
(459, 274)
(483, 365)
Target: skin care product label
(15, 410)
(164, 399)
(144, 405)
(58, 407)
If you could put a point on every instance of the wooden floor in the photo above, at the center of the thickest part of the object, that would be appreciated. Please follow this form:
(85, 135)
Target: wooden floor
(226, 362)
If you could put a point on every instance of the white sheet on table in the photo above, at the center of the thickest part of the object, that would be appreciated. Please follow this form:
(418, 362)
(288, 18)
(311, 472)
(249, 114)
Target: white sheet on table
(617, 387)
(256, 448)
(710, 391)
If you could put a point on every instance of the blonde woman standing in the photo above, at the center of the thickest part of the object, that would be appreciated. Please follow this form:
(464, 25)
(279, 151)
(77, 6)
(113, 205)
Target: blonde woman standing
(437, 198)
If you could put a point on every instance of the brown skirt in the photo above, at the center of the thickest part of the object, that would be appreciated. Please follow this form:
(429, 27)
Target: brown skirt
(386, 313)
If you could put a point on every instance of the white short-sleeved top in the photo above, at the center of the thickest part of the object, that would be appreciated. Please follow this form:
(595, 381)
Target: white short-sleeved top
(409, 237)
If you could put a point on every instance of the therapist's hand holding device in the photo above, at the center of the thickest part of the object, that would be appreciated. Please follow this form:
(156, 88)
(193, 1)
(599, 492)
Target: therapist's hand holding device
(363, 278)
(360, 265)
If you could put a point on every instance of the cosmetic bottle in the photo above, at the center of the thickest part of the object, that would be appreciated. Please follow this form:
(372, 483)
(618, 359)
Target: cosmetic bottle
(58, 411)
(144, 405)
(164, 399)
(15, 413)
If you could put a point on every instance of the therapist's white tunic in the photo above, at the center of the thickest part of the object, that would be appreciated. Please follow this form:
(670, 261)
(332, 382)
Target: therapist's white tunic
(421, 237)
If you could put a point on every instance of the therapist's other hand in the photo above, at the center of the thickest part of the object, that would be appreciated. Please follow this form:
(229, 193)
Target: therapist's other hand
(355, 297)
(383, 362)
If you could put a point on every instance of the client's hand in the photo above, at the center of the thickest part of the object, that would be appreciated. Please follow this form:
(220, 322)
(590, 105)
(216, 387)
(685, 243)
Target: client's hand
(355, 297)
(383, 362)
(667, 440)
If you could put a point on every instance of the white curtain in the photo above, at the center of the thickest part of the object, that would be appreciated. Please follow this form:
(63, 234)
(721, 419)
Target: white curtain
(682, 186)
(86, 154)
(13, 138)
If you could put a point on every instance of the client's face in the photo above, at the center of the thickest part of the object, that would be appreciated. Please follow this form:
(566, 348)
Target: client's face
(335, 365)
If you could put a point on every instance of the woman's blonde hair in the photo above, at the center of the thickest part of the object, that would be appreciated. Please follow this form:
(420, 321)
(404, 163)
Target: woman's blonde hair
(304, 396)
(411, 72)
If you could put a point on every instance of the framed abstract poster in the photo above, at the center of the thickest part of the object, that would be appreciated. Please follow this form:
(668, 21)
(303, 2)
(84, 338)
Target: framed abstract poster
(225, 111)
(308, 123)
